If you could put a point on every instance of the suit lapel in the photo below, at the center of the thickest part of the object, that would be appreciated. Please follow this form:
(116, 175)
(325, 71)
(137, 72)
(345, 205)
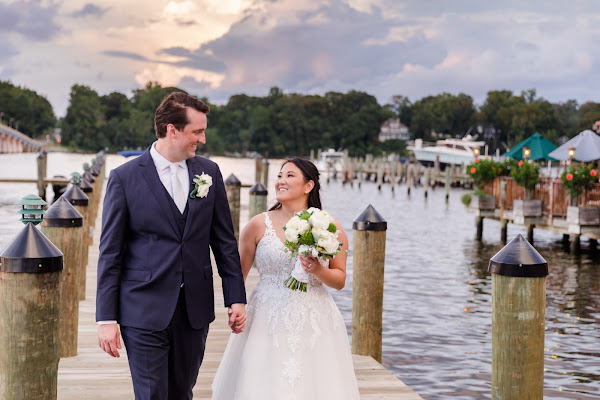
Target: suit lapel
(193, 204)
(157, 188)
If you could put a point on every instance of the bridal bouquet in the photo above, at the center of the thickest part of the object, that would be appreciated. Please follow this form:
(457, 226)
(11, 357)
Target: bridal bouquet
(311, 232)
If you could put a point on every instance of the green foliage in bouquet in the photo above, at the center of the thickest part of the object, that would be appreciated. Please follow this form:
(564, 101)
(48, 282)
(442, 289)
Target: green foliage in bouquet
(526, 174)
(577, 178)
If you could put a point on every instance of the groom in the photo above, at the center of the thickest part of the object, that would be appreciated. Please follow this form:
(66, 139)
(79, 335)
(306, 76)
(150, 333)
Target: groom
(154, 268)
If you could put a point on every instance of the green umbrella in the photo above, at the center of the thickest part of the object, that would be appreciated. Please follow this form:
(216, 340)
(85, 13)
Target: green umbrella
(539, 145)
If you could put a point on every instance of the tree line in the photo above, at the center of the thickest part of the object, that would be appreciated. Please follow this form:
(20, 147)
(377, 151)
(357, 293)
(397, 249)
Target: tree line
(281, 124)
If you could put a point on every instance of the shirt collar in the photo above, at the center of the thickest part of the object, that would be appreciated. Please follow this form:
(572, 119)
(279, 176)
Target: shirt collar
(160, 162)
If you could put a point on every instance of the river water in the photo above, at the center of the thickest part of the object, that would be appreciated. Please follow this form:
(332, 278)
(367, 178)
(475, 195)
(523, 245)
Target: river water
(437, 297)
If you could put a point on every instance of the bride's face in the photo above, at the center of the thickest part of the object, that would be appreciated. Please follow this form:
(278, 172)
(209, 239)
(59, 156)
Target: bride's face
(290, 184)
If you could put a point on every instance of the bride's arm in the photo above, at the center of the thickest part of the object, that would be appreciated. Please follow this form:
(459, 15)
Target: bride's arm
(248, 240)
(335, 275)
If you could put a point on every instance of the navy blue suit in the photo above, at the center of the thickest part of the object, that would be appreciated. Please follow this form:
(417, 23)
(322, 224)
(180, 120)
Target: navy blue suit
(146, 253)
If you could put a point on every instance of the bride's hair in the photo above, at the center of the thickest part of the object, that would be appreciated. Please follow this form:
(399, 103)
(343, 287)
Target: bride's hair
(310, 173)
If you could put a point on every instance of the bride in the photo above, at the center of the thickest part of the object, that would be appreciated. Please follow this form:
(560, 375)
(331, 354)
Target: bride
(294, 346)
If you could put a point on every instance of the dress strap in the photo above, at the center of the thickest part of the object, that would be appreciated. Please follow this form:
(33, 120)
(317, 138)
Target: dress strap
(268, 222)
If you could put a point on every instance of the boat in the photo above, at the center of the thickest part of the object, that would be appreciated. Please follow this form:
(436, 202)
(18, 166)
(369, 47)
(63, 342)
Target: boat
(450, 151)
(332, 161)
(130, 153)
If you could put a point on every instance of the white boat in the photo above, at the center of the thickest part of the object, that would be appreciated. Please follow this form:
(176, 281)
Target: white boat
(449, 151)
(331, 160)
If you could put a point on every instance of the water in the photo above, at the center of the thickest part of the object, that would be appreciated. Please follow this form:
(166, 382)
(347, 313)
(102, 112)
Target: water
(437, 300)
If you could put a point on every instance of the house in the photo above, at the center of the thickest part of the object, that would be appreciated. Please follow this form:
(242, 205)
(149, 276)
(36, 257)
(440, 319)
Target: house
(393, 129)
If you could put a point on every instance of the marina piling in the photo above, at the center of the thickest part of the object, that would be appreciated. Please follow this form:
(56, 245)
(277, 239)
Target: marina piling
(233, 187)
(63, 225)
(30, 269)
(367, 286)
(258, 199)
(518, 319)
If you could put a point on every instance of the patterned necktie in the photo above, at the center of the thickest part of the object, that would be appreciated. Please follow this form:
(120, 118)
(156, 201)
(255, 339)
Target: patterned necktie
(177, 189)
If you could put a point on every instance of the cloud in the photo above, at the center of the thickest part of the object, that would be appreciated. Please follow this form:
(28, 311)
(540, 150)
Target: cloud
(31, 18)
(125, 54)
(90, 9)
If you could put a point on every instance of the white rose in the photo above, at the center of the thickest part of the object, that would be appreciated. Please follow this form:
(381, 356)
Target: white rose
(317, 232)
(320, 220)
(313, 210)
(207, 178)
(202, 191)
(303, 227)
(293, 223)
(291, 235)
(329, 243)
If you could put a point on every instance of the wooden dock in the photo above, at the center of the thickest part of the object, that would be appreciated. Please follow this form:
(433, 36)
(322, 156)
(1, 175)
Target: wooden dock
(93, 374)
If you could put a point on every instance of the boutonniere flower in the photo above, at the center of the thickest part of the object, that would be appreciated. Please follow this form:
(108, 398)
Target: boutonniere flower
(203, 183)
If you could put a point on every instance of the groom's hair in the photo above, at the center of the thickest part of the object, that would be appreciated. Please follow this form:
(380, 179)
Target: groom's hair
(173, 110)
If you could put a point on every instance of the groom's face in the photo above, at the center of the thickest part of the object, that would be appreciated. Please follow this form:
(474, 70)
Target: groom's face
(187, 140)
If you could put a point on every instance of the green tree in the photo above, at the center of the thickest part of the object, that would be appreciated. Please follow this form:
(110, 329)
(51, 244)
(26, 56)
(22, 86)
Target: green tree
(83, 126)
(32, 111)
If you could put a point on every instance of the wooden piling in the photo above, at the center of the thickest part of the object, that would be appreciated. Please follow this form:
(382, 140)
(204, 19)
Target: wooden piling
(367, 286)
(575, 243)
(258, 169)
(42, 162)
(80, 201)
(379, 175)
(426, 179)
(30, 269)
(63, 225)
(265, 173)
(233, 187)
(479, 223)
(530, 233)
(447, 184)
(518, 318)
(258, 200)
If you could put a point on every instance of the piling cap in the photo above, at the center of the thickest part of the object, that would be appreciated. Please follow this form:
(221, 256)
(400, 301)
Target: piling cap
(76, 197)
(259, 189)
(32, 209)
(88, 176)
(63, 215)
(232, 180)
(95, 169)
(519, 259)
(85, 185)
(31, 252)
(369, 220)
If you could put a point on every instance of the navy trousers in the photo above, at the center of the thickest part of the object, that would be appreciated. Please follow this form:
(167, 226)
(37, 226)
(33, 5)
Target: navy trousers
(164, 364)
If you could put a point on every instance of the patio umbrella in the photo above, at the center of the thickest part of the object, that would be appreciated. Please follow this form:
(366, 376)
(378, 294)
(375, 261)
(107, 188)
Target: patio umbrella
(539, 145)
(586, 144)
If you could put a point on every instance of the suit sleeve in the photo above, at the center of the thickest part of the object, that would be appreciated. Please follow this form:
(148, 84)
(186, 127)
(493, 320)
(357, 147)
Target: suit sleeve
(224, 247)
(114, 225)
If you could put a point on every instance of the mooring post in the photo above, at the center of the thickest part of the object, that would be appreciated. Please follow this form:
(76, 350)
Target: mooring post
(479, 223)
(63, 225)
(258, 200)
(80, 201)
(42, 162)
(367, 286)
(426, 181)
(518, 318)
(233, 187)
(30, 269)
(447, 183)
(258, 169)
(575, 243)
(265, 172)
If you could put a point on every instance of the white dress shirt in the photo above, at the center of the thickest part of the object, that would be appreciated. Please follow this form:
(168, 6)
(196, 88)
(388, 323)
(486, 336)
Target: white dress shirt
(164, 173)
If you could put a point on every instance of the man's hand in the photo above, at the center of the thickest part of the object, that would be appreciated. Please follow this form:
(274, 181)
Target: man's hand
(237, 317)
(109, 338)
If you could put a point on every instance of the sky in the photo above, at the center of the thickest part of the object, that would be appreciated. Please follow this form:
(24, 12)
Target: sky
(218, 48)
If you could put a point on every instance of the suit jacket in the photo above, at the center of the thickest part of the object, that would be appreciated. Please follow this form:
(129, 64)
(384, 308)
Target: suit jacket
(144, 258)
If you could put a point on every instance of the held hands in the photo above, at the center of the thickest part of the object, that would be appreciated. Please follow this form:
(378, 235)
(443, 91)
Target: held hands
(109, 338)
(237, 317)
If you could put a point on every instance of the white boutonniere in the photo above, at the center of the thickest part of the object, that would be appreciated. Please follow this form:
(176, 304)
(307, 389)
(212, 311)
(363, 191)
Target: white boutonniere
(203, 183)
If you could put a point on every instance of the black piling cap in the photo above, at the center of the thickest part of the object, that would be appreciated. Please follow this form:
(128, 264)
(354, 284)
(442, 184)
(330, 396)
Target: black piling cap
(232, 180)
(31, 252)
(62, 215)
(76, 197)
(520, 259)
(95, 169)
(369, 220)
(85, 185)
(88, 176)
(259, 189)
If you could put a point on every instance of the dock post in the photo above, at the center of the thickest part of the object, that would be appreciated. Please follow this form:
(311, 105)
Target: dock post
(233, 187)
(479, 223)
(367, 286)
(426, 181)
(265, 172)
(258, 169)
(30, 269)
(503, 222)
(593, 244)
(379, 175)
(518, 317)
(447, 183)
(63, 225)
(81, 202)
(258, 200)
(530, 233)
(575, 243)
(42, 162)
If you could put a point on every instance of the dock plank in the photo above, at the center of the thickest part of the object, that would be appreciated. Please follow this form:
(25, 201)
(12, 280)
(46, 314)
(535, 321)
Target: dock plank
(92, 374)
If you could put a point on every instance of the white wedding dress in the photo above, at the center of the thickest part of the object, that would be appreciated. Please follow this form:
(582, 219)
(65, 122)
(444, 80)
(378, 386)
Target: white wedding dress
(294, 346)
